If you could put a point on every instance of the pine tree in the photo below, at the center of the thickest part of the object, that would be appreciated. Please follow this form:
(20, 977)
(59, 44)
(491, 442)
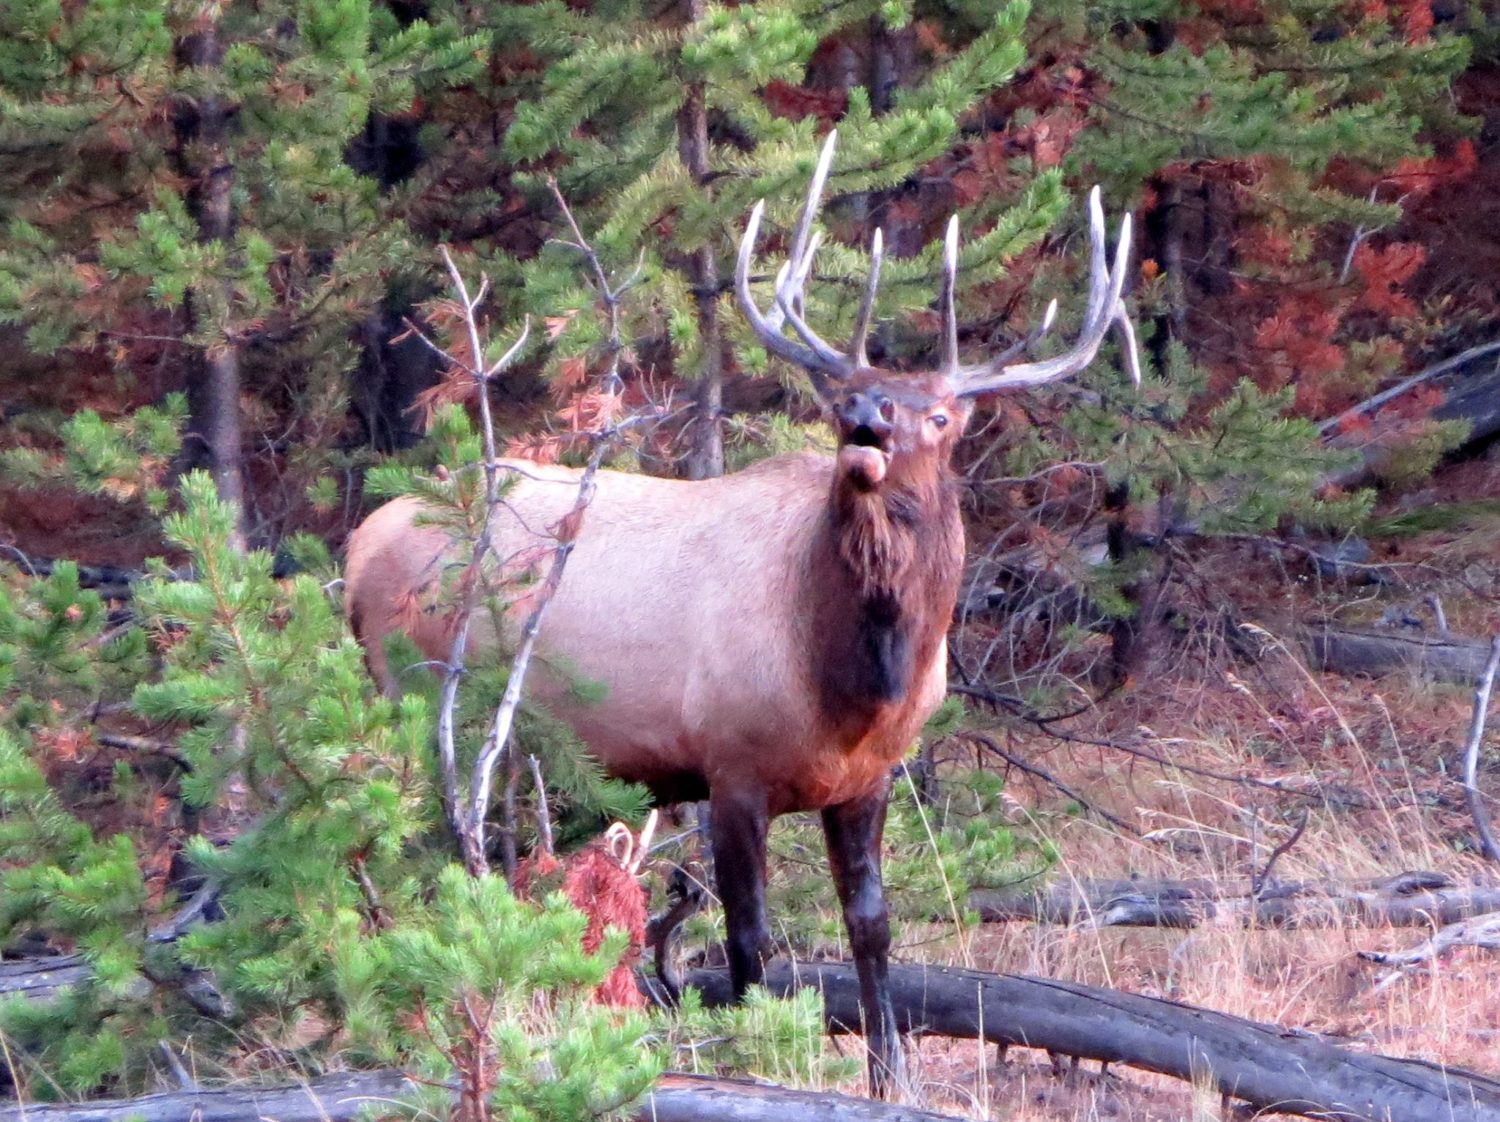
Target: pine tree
(176, 193)
(663, 130)
(338, 898)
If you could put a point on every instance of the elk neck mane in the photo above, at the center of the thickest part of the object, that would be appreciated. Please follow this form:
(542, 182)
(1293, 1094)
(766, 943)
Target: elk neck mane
(883, 578)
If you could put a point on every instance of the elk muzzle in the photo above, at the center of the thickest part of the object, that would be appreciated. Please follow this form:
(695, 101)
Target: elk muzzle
(865, 427)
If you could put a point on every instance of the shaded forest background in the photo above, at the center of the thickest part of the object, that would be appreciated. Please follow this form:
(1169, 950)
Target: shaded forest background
(240, 207)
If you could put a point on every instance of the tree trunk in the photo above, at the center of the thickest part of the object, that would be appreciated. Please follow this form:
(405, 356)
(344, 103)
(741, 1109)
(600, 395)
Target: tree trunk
(705, 454)
(1135, 639)
(201, 126)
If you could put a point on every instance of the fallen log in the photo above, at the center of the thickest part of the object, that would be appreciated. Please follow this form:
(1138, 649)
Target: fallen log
(1368, 652)
(331, 1098)
(1408, 900)
(1481, 931)
(1012, 587)
(347, 1098)
(1268, 1067)
(43, 976)
(1411, 899)
(1263, 1065)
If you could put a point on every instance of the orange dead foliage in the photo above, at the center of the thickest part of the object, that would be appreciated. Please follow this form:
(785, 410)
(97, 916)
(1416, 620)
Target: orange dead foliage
(600, 881)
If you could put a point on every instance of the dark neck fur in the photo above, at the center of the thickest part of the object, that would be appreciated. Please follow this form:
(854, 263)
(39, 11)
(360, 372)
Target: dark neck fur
(885, 575)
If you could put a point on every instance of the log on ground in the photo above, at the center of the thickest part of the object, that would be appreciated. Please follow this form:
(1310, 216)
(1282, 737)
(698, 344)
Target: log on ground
(1262, 1065)
(1371, 652)
(346, 1098)
(1408, 900)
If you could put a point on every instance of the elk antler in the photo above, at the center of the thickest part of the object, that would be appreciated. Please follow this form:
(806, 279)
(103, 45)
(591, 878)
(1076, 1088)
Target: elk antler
(828, 365)
(1105, 308)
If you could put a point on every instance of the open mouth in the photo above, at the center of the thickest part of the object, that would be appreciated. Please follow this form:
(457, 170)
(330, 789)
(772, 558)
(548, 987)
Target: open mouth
(864, 436)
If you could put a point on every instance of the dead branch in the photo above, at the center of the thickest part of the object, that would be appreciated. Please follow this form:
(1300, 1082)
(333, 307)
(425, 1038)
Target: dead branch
(1370, 404)
(468, 807)
(1041, 773)
(1260, 880)
(1480, 931)
(1471, 754)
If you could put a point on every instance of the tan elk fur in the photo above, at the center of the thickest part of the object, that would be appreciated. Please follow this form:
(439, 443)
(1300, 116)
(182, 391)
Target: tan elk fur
(719, 614)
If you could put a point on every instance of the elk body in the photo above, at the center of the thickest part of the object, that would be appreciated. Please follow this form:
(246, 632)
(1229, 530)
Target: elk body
(772, 640)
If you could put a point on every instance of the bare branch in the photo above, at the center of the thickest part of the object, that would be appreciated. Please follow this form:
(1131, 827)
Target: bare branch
(1477, 808)
(543, 814)
(1046, 776)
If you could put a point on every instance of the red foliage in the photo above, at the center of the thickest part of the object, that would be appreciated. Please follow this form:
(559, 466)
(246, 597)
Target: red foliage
(1418, 175)
(1416, 19)
(1261, 244)
(600, 881)
(796, 102)
(1383, 270)
(1296, 345)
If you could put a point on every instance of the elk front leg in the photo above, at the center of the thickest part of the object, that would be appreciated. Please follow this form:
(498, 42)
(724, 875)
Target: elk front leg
(738, 822)
(853, 830)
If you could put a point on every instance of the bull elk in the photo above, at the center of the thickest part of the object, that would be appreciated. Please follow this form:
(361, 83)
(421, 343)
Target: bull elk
(772, 640)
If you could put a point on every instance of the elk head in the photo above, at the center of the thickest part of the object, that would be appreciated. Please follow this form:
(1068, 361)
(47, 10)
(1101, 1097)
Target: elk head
(891, 425)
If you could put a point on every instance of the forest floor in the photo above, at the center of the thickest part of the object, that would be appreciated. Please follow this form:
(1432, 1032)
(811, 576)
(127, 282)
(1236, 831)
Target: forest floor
(1394, 744)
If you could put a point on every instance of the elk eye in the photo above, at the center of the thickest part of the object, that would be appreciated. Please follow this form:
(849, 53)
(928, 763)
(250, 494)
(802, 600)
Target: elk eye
(939, 419)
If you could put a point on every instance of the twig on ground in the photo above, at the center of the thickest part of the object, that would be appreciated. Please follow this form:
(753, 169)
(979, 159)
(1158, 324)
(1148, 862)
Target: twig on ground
(1047, 777)
(1258, 881)
(1481, 816)
(142, 746)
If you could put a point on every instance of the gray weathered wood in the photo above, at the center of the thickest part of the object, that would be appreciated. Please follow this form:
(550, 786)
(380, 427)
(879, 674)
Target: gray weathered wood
(1348, 650)
(343, 1098)
(333, 1098)
(1263, 1065)
(1410, 900)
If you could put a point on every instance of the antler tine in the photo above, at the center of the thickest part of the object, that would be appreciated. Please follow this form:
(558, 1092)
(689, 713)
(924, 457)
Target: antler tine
(814, 197)
(867, 305)
(767, 329)
(789, 282)
(1024, 344)
(823, 362)
(1105, 308)
(950, 299)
